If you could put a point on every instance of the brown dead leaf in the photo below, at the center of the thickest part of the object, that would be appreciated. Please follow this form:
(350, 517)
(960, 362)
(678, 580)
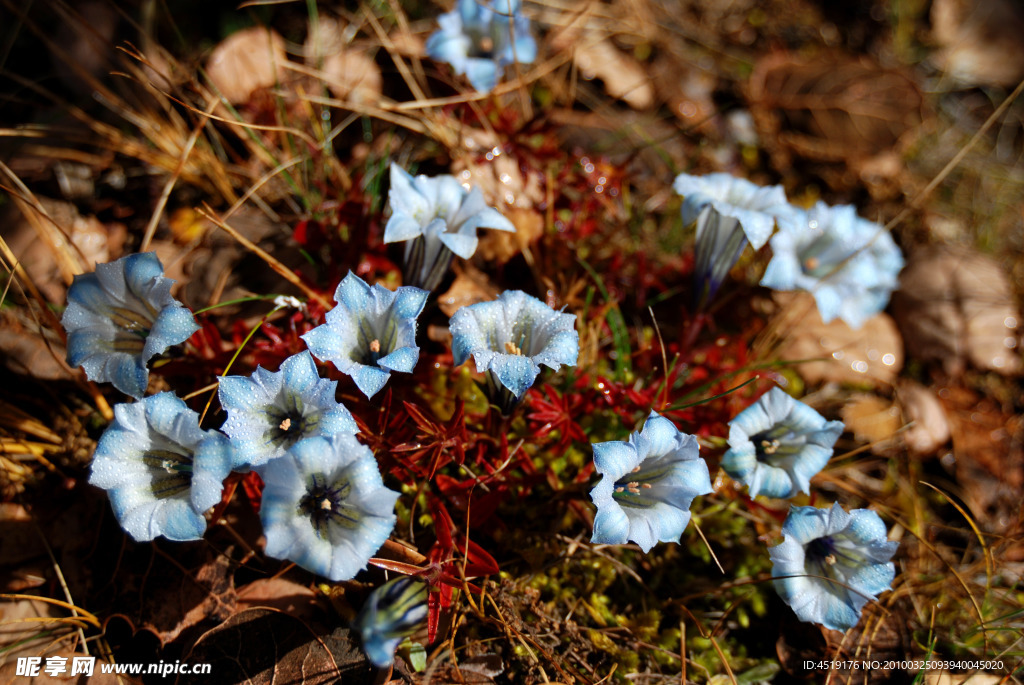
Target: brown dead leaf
(267, 646)
(930, 429)
(873, 420)
(483, 162)
(956, 306)
(352, 75)
(246, 61)
(979, 42)
(21, 634)
(501, 246)
(24, 349)
(283, 595)
(91, 242)
(871, 354)
(988, 448)
(848, 113)
(470, 286)
(349, 71)
(623, 77)
(687, 90)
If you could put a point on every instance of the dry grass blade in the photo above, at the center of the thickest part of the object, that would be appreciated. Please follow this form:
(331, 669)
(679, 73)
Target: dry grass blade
(165, 194)
(271, 261)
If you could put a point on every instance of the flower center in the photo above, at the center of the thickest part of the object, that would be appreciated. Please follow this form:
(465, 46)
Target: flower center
(634, 483)
(512, 348)
(325, 504)
(132, 330)
(171, 472)
(775, 444)
(825, 558)
(289, 424)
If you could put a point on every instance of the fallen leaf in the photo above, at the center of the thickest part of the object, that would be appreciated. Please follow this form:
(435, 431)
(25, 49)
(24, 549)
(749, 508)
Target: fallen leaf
(871, 354)
(979, 42)
(501, 246)
(483, 162)
(847, 114)
(246, 61)
(349, 71)
(281, 594)
(872, 420)
(27, 351)
(988, 455)
(258, 646)
(930, 429)
(469, 287)
(623, 76)
(956, 306)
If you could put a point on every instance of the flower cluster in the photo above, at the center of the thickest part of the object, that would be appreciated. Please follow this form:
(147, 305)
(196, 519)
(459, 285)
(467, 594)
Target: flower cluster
(849, 264)
(479, 39)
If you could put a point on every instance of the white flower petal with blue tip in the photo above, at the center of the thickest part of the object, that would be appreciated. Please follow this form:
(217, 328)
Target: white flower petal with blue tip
(849, 264)
(120, 317)
(511, 336)
(755, 207)
(648, 485)
(325, 506)
(778, 444)
(371, 332)
(269, 412)
(161, 470)
(830, 564)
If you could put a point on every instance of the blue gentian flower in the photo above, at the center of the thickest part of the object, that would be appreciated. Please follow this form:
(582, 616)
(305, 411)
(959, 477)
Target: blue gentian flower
(831, 563)
(648, 485)
(778, 444)
(120, 317)
(371, 332)
(161, 469)
(436, 218)
(269, 412)
(849, 264)
(729, 213)
(325, 506)
(509, 338)
(391, 613)
(754, 207)
(479, 39)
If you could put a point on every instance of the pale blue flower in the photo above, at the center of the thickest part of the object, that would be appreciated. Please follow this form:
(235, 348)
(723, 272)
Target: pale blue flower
(729, 213)
(509, 338)
(831, 563)
(161, 469)
(436, 217)
(391, 613)
(479, 39)
(371, 332)
(849, 264)
(120, 317)
(325, 506)
(269, 412)
(778, 444)
(648, 485)
(754, 207)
